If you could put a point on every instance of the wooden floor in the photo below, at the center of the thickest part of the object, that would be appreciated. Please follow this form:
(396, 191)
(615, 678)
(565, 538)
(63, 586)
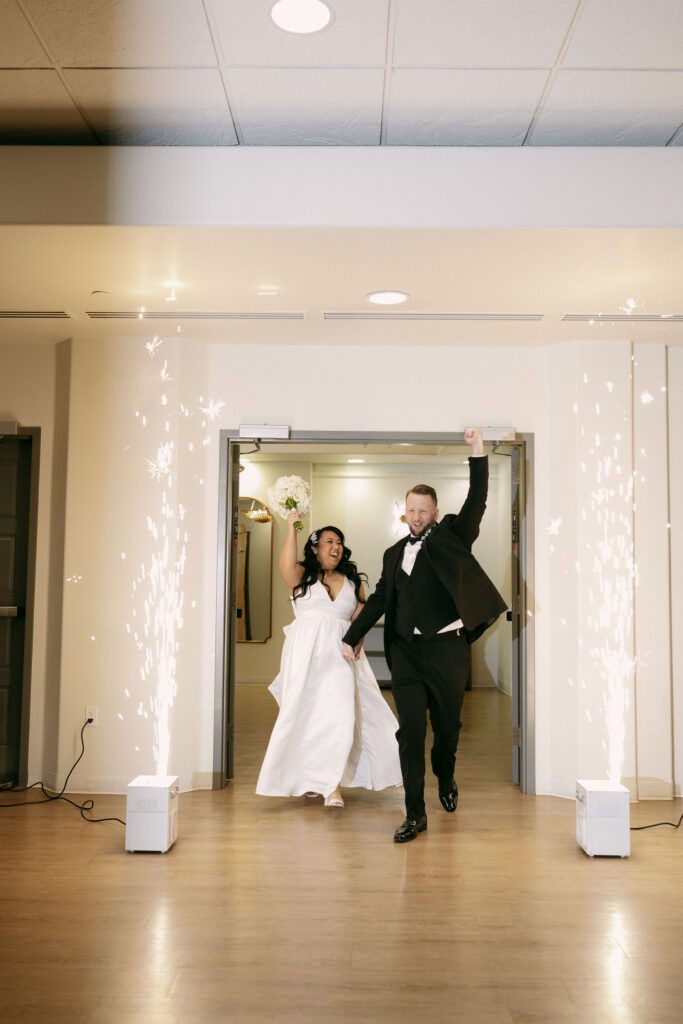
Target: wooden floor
(283, 910)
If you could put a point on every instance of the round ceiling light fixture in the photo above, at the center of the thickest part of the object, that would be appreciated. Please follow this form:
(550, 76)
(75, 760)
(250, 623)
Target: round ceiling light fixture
(301, 16)
(387, 298)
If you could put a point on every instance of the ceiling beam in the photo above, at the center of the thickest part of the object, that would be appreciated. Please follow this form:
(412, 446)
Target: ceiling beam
(343, 187)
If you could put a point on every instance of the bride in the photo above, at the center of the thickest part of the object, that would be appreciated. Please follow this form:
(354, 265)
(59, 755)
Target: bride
(334, 727)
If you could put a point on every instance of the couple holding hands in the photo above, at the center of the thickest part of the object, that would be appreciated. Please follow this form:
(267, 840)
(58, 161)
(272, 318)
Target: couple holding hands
(334, 728)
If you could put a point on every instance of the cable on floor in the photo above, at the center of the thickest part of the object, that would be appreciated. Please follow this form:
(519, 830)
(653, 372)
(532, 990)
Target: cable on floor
(674, 824)
(87, 805)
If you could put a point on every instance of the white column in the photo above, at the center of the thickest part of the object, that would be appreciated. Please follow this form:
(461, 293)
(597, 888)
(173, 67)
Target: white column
(652, 625)
(675, 391)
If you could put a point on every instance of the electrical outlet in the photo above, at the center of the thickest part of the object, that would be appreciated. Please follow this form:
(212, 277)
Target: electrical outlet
(91, 712)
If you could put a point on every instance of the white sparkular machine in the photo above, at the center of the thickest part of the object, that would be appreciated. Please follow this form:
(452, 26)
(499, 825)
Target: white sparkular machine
(603, 818)
(152, 813)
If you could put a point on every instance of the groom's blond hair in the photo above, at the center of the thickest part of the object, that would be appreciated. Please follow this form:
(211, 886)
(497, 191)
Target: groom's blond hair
(423, 489)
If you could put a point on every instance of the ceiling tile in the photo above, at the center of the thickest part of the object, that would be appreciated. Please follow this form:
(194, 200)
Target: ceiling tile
(19, 47)
(432, 107)
(628, 34)
(307, 106)
(35, 108)
(124, 33)
(248, 36)
(611, 108)
(155, 107)
(488, 33)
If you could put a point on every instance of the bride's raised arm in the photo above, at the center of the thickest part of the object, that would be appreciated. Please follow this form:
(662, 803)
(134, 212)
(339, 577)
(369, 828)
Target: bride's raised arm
(290, 571)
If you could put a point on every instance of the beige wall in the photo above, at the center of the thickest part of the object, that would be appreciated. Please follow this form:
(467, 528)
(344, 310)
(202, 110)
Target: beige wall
(591, 661)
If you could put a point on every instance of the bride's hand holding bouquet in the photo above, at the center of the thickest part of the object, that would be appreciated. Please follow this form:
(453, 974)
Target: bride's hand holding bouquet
(290, 493)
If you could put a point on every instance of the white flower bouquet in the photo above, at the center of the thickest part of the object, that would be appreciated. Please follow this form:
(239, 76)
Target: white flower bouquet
(287, 493)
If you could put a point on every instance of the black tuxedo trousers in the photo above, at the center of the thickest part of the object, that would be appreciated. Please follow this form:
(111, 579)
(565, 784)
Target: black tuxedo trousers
(428, 674)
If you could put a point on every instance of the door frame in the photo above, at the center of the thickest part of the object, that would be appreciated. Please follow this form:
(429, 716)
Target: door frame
(228, 493)
(31, 436)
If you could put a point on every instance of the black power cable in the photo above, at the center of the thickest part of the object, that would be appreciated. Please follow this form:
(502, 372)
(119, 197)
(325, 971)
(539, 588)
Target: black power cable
(674, 824)
(87, 805)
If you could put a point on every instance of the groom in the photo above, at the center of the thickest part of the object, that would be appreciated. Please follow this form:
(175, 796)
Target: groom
(436, 600)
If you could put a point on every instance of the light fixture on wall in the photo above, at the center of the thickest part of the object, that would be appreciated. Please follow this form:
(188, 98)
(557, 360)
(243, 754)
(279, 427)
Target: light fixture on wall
(257, 511)
(387, 298)
(355, 460)
(302, 17)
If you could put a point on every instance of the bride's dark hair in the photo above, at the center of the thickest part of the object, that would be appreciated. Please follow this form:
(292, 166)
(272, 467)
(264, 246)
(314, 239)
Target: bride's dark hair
(312, 567)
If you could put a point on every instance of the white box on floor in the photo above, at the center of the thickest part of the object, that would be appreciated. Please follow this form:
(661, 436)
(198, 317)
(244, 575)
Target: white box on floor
(152, 813)
(603, 818)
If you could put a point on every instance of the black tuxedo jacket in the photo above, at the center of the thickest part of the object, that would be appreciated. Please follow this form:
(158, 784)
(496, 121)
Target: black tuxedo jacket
(449, 551)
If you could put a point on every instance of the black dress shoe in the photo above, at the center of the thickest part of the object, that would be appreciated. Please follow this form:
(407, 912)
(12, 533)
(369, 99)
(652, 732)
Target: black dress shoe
(448, 795)
(409, 829)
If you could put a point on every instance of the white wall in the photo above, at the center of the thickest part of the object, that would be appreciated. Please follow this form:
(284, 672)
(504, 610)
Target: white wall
(380, 186)
(675, 478)
(653, 691)
(139, 564)
(575, 399)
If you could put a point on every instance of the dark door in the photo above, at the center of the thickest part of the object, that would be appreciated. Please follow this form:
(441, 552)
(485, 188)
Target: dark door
(15, 481)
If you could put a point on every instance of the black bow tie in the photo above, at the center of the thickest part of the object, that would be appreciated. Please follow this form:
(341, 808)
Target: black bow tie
(414, 540)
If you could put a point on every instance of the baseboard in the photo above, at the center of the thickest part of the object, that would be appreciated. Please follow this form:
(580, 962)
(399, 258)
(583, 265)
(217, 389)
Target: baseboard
(650, 788)
(111, 785)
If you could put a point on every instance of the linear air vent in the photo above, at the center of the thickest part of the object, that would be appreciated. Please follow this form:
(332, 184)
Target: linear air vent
(202, 315)
(33, 314)
(641, 318)
(469, 317)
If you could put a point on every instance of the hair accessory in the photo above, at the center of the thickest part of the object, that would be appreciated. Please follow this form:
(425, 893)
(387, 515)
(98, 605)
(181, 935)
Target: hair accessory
(314, 538)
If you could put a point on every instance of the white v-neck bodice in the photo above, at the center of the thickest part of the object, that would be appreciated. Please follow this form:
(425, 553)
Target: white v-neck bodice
(317, 601)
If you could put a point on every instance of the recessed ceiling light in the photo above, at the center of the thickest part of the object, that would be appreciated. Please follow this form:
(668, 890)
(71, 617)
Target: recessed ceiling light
(301, 16)
(355, 460)
(387, 298)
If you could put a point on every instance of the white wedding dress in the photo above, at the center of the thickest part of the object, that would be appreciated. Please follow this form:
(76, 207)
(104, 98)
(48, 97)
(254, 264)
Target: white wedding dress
(334, 726)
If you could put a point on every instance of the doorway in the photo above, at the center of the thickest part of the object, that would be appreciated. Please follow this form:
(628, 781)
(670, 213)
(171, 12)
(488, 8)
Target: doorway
(18, 506)
(346, 471)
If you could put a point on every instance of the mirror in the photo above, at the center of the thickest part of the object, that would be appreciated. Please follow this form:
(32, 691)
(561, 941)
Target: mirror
(254, 571)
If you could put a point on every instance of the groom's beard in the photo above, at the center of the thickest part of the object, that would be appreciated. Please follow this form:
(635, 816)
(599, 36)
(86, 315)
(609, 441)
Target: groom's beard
(418, 533)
